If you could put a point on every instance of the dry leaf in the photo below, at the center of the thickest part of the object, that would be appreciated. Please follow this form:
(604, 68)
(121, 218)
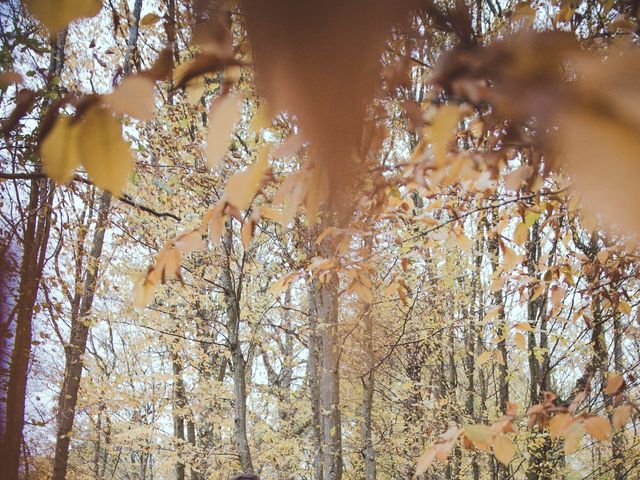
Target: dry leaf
(614, 384)
(598, 427)
(558, 423)
(243, 186)
(572, 436)
(223, 115)
(9, 78)
(621, 416)
(504, 449)
(133, 97)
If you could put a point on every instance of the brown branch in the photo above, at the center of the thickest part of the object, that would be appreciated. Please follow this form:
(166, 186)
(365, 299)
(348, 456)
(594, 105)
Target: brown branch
(77, 178)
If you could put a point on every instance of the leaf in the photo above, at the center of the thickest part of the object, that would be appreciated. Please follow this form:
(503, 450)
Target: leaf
(443, 131)
(557, 295)
(614, 384)
(510, 258)
(150, 19)
(598, 427)
(9, 78)
(624, 307)
(59, 150)
(558, 423)
(105, 155)
(247, 232)
(524, 326)
(57, 14)
(572, 436)
(190, 241)
(484, 357)
(531, 217)
(425, 460)
(513, 180)
(521, 234)
(520, 341)
(243, 186)
(464, 243)
(224, 113)
(499, 357)
(143, 291)
(480, 435)
(621, 416)
(133, 97)
(504, 449)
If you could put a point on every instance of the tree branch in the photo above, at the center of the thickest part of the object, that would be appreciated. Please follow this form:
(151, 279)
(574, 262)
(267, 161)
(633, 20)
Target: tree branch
(77, 178)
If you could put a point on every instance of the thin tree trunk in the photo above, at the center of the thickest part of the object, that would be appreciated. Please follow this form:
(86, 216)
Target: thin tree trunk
(232, 298)
(75, 350)
(617, 442)
(366, 407)
(313, 376)
(330, 380)
(179, 404)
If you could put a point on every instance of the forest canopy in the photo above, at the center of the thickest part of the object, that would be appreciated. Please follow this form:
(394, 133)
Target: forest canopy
(267, 239)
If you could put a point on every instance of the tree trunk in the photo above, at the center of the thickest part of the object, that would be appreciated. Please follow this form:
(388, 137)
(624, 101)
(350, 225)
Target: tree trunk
(36, 240)
(232, 295)
(179, 404)
(313, 376)
(75, 350)
(366, 407)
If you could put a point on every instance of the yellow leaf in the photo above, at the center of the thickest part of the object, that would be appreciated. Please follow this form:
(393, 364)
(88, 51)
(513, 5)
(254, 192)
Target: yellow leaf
(499, 357)
(621, 416)
(243, 186)
(57, 14)
(224, 113)
(598, 427)
(143, 291)
(59, 150)
(443, 131)
(480, 435)
(521, 234)
(133, 97)
(614, 384)
(572, 436)
(484, 357)
(520, 341)
(624, 307)
(558, 424)
(149, 19)
(504, 449)
(104, 154)
(531, 217)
